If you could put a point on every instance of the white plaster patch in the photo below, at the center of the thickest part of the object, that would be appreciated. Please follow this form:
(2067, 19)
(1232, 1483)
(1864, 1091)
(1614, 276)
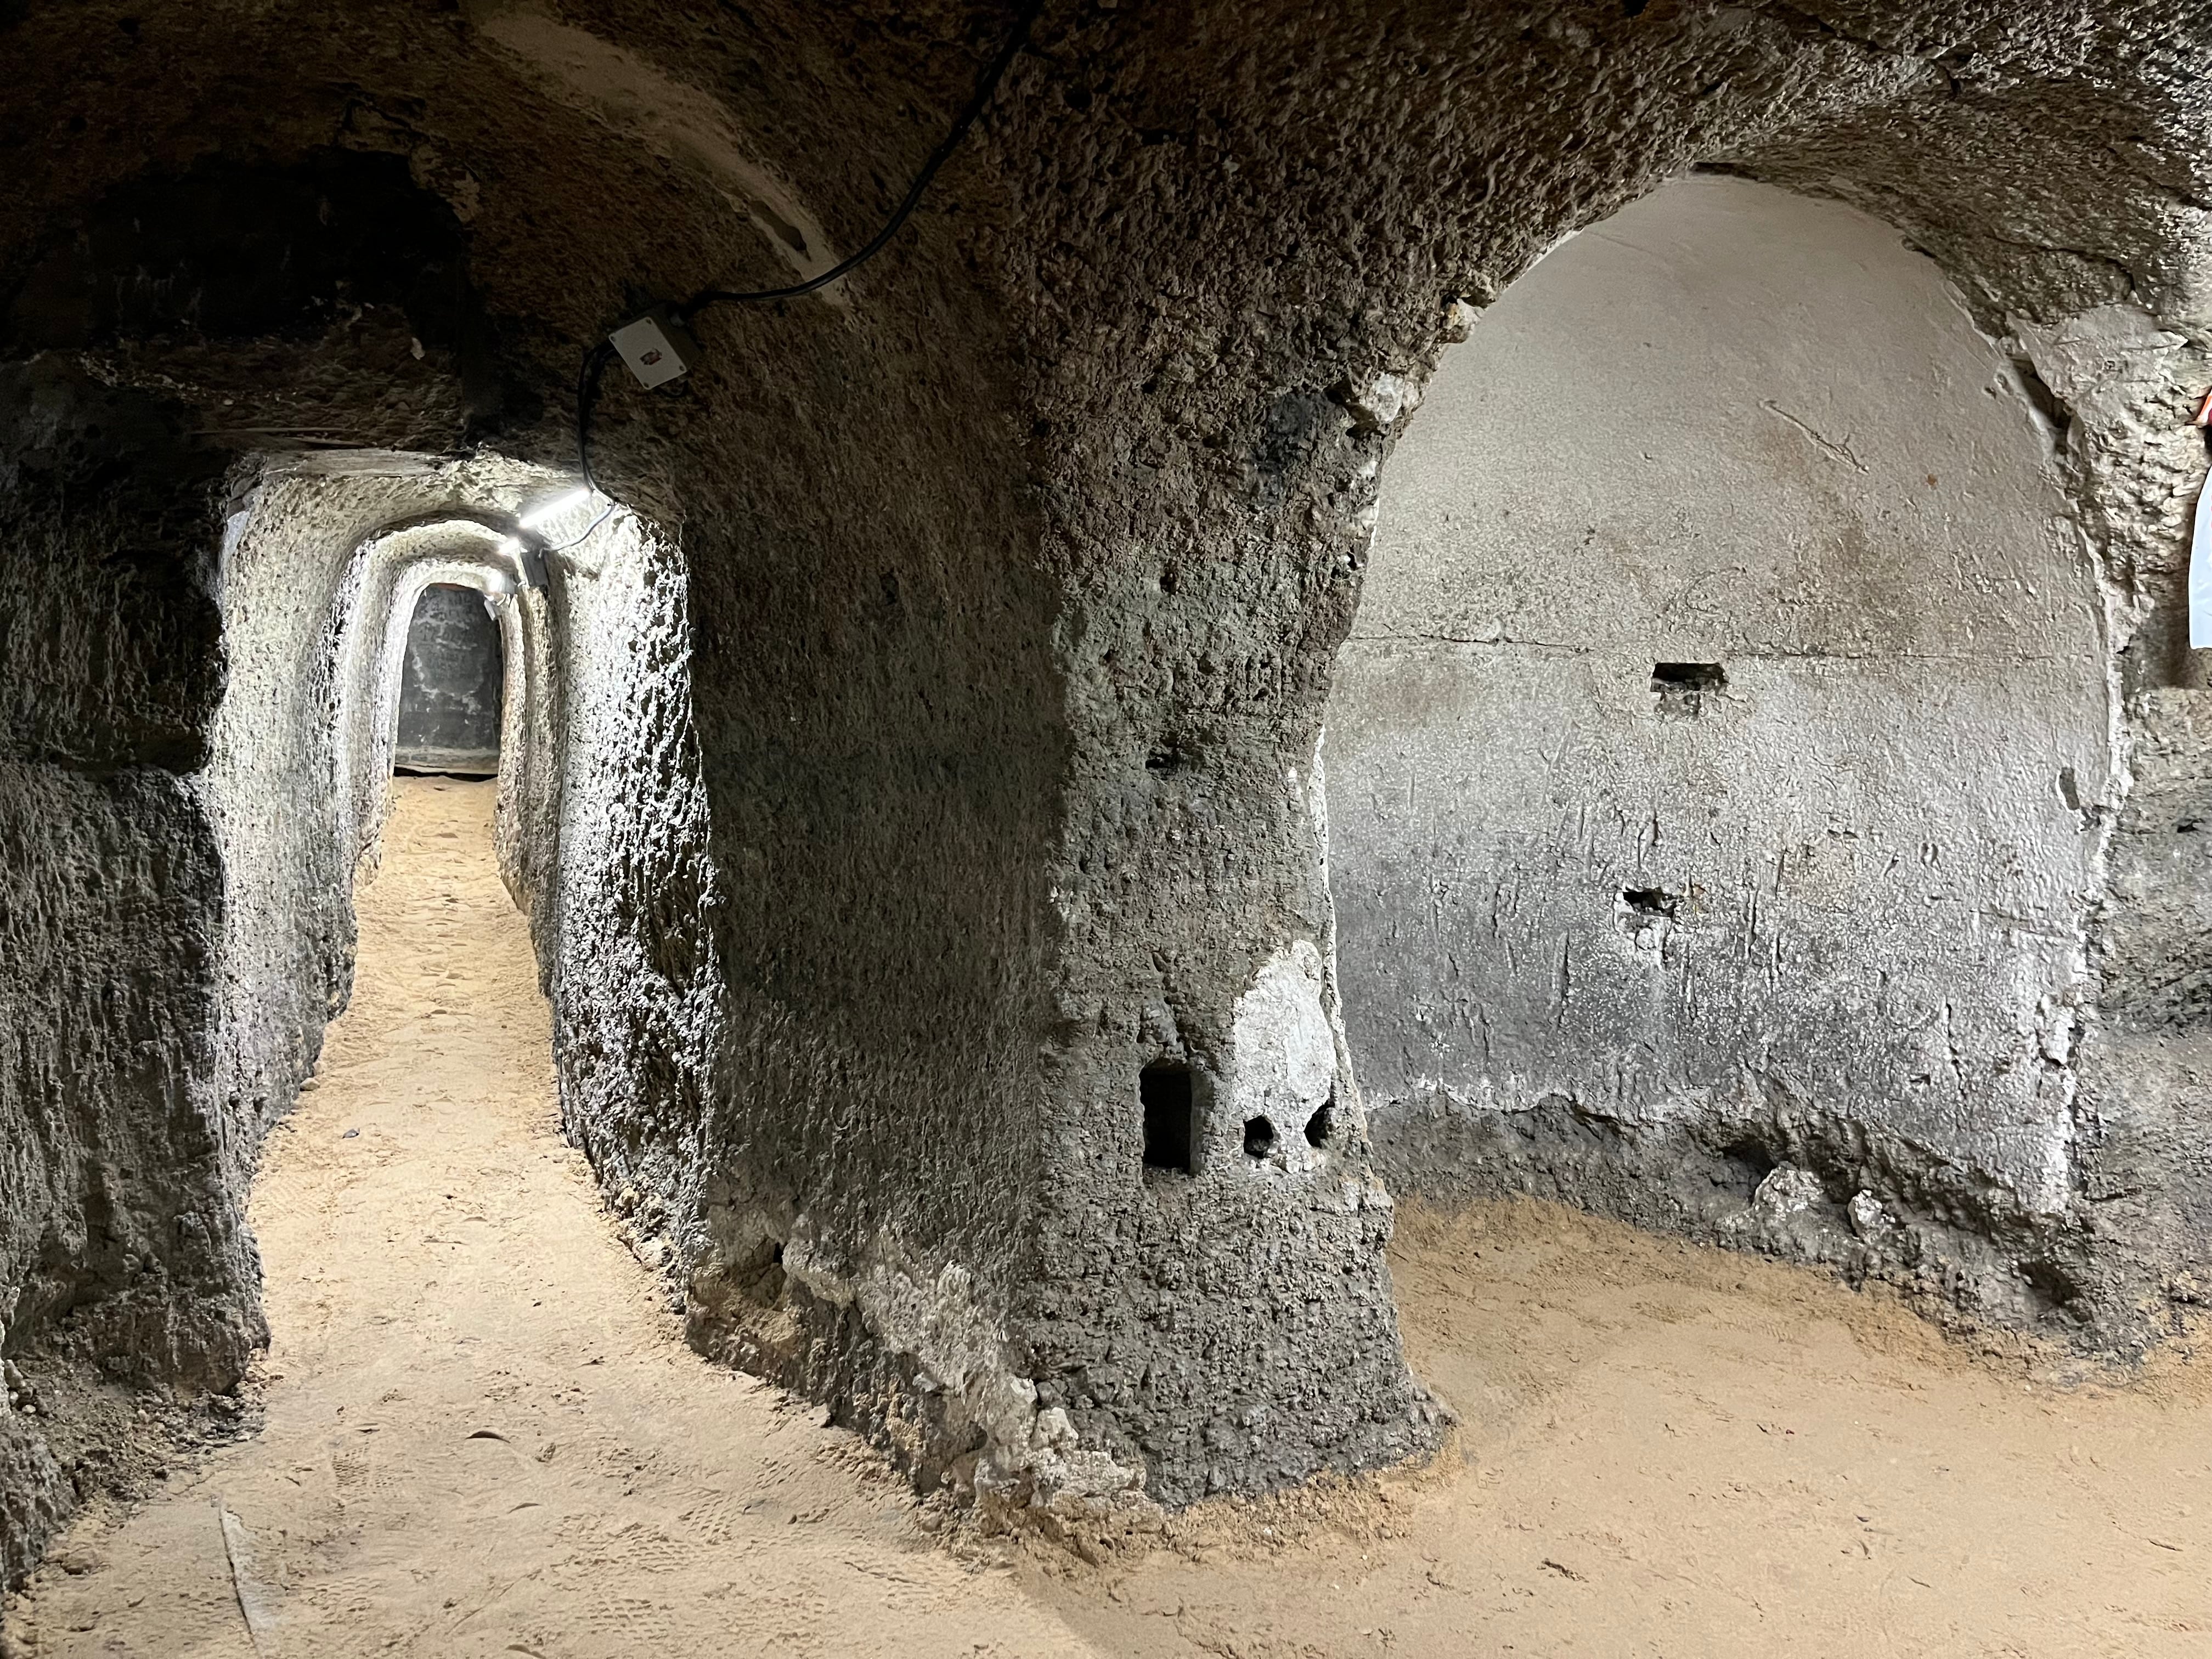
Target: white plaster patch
(1787, 1191)
(1868, 1217)
(1379, 400)
(1284, 1059)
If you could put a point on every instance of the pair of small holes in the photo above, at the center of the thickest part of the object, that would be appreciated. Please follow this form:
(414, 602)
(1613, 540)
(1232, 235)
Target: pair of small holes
(1260, 1132)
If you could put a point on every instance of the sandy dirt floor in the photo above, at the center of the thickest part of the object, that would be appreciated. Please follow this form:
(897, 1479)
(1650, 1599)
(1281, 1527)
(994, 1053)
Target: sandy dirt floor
(484, 1436)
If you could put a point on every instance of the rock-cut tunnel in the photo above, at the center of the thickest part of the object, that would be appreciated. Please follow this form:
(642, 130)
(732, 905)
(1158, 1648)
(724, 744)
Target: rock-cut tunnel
(1408, 599)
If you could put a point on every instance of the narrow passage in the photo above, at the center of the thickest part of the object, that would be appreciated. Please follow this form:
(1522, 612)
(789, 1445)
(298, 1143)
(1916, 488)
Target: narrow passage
(485, 1436)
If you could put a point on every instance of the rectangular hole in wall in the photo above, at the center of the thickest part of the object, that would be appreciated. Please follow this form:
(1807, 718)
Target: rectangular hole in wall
(1687, 676)
(1682, 687)
(1164, 1088)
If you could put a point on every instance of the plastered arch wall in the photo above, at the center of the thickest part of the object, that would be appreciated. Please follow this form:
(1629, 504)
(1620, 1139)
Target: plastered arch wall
(1716, 761)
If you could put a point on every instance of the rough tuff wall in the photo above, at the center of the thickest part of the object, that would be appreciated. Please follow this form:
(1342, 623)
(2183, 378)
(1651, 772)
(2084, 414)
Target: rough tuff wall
(155, 326)
(192, 933)
(627, 930)
(122, 1242)
(1722, 757)
(118, 1240)
(881, 748)
(1016, 566)
(451, 682)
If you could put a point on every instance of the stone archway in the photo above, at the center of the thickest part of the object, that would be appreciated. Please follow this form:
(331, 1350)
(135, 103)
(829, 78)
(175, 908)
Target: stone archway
(1721, 763)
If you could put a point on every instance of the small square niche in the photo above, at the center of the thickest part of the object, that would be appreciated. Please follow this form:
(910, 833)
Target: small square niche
(1683, 687)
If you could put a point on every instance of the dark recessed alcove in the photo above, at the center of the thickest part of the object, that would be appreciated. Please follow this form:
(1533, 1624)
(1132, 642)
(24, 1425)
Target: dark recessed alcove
(1682, 687)
(1322, 1123)
(1164, 1089)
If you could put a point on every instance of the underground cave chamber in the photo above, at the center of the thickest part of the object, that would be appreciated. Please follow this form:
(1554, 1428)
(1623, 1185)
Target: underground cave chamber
(1732, 531)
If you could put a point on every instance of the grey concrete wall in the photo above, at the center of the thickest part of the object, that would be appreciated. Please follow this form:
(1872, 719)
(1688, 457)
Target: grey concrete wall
(1830, 912)
(450, 685)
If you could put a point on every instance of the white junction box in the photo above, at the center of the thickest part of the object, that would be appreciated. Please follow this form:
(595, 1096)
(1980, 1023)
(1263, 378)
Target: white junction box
(656, 347)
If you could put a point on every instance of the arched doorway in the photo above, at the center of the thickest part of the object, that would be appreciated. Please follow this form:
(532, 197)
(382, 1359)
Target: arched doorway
(1713, 763)
(451, 680)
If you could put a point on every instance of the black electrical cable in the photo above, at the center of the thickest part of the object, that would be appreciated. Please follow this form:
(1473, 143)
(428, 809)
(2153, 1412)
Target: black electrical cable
(938, 157)
(587, 395)
(596, 360)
